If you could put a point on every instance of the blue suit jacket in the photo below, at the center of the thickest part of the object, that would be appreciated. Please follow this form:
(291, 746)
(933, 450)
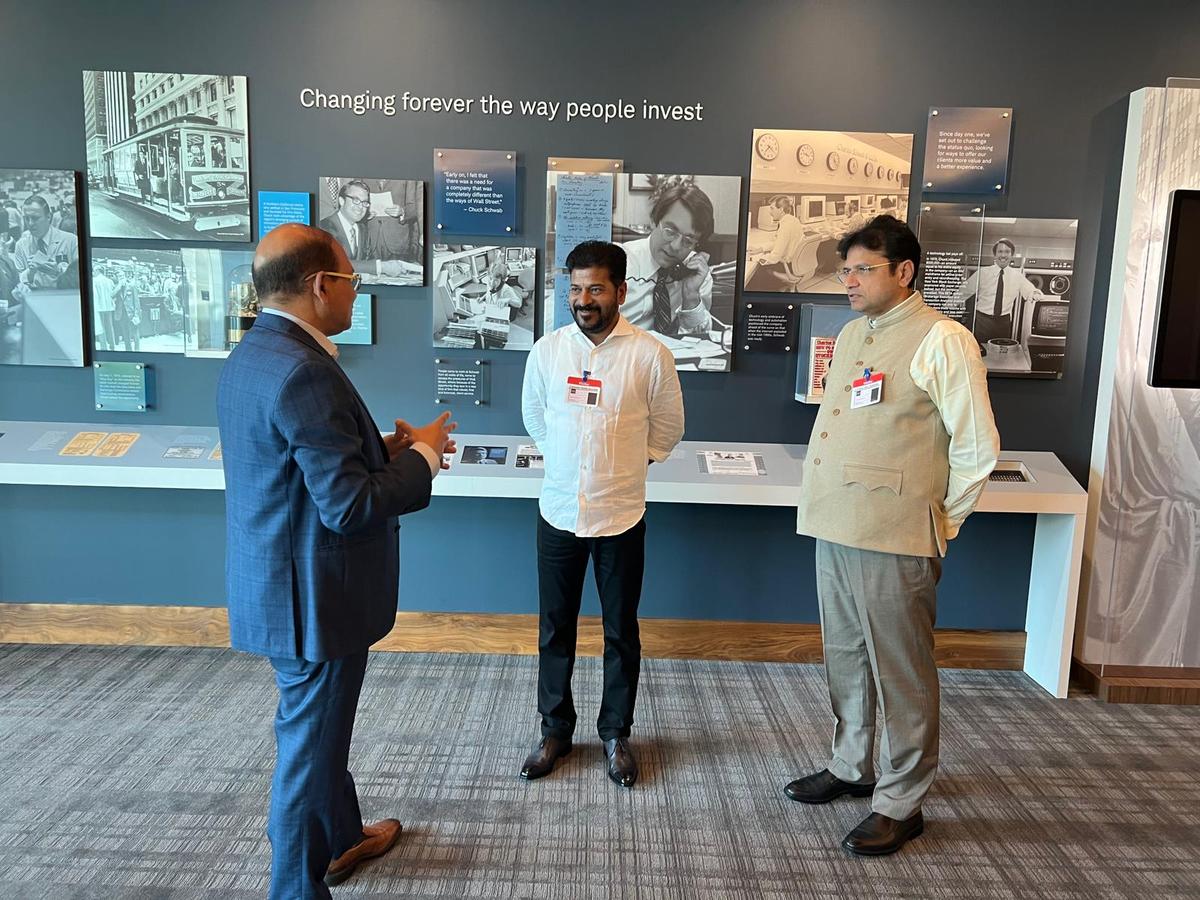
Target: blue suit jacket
(311, 501)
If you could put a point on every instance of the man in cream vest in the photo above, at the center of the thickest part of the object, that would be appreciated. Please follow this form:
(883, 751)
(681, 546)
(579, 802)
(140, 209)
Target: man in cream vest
(900, 451)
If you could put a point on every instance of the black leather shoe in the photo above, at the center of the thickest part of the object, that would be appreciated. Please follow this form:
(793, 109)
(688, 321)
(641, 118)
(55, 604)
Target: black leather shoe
(878, 835)
(825, 786)
(542, 758)
(622, 767)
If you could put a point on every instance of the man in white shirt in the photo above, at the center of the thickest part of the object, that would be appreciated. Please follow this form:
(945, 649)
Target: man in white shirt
(44, 253)
(997, 288)
(602, 400)
(103, 305)
(788, 238)
(669, 284)
(900, 451)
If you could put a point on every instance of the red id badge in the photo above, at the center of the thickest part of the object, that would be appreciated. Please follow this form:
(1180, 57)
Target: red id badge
(866, 391)
(583, 391)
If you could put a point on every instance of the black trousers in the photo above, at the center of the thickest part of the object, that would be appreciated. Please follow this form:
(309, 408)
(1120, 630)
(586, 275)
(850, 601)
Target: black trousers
(617, 562)
(988, 327)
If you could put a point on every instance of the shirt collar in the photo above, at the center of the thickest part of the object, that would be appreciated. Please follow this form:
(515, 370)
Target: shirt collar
(623, 327)
(326, 344)
(896, 313)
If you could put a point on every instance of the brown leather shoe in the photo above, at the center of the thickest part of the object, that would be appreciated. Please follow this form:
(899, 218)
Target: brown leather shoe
(377, 840)
(879, 835)
(540, 761)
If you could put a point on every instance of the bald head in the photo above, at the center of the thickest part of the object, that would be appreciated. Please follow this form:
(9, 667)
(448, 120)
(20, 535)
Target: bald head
(286, 256)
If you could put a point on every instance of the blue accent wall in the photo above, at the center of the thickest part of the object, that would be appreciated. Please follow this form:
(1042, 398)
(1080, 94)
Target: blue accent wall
(866, 65)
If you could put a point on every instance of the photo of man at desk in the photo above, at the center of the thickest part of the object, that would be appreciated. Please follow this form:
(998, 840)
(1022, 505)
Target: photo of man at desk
(483, 297)
(679, 233)
(807, 189)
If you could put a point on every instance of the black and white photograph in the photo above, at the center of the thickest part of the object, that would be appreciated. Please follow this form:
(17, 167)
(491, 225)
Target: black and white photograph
(474, 455)
(167, 156)
(483, 297)
(380, 222)
(139, 300)
(680, 236)
(807, 189)
(41, 303)
(1007, 279)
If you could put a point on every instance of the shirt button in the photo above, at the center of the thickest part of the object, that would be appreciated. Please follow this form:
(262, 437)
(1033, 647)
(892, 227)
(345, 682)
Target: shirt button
(837, 412)
(870, 340)
(846, 389)
(858, 362)
(824, 434)
(817, 461)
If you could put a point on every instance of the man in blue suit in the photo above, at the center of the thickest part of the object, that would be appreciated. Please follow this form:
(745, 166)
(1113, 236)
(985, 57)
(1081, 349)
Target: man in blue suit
(312, 495)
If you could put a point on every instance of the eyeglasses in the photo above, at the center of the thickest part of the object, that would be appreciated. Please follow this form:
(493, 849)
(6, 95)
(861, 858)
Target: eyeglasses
(860, 271)
(355, 279)
(356, 201)
(674, 235)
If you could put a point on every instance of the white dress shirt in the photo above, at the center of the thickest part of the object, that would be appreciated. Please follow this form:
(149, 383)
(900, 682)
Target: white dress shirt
(948, 368)
(61, 251)
(788, 239)
(434, 461)
(596, 456)
(982, 283)
(103, 294)
(641, 272)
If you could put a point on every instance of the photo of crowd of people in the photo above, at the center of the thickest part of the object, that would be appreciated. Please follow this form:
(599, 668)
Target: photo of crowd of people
(483, 297)
(807, 189)
(380, 222)
(680, 236)
(41, 309)
(139, 300)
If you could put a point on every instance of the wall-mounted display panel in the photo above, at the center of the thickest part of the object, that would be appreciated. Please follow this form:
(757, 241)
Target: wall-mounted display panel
(483, 296)
(1008, 279)
(167, 155)
(380, 222)
(807, 189)
(41, 306)
(680, 235)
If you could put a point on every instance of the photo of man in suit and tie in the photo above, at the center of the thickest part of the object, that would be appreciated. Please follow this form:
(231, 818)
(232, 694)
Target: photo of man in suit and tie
(313, 493)
(380, 223)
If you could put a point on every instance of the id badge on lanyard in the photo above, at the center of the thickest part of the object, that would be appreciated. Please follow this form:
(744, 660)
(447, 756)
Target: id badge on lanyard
(583, 391)
(866, 391)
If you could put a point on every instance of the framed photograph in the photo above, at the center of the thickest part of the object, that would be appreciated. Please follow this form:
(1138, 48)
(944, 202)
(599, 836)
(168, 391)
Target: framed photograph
(167, 156)
(483, 297)
(380, 222)
(809, 189)
(688, 226)
(41, 305)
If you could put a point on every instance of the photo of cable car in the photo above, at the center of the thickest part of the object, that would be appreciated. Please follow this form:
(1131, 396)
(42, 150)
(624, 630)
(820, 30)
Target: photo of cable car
(167, 156)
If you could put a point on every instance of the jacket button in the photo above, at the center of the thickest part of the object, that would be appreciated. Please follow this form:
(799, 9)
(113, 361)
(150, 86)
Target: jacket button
(870, 340)
(824, 434)
(837, 412)
(817, 461)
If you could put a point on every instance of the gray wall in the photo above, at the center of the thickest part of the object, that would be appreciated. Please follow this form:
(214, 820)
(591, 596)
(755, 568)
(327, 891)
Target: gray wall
(1065, 67)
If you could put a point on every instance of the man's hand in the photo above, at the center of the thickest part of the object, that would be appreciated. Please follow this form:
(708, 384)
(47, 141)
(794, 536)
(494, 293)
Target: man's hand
(436, 434)
(400, 440)
(698, 263)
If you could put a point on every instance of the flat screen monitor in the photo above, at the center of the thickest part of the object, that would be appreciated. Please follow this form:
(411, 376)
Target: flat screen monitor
(1175, 354)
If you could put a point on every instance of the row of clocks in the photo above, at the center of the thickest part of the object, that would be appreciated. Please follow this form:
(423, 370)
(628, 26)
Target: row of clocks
(767, 148)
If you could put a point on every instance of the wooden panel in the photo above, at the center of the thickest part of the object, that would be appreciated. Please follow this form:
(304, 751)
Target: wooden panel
(1139, 684)
(202, 626)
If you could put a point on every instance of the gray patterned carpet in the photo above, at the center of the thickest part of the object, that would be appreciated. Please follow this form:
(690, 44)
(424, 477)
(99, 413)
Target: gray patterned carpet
(143, 773)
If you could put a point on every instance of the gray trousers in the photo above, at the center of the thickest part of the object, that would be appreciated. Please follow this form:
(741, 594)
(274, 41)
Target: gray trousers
(877, 615)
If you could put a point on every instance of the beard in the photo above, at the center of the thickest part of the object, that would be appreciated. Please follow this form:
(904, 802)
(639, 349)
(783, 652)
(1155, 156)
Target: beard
(593, 324)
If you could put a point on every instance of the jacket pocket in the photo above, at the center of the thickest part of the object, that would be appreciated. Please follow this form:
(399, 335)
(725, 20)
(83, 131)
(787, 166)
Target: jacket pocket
(873, 478)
